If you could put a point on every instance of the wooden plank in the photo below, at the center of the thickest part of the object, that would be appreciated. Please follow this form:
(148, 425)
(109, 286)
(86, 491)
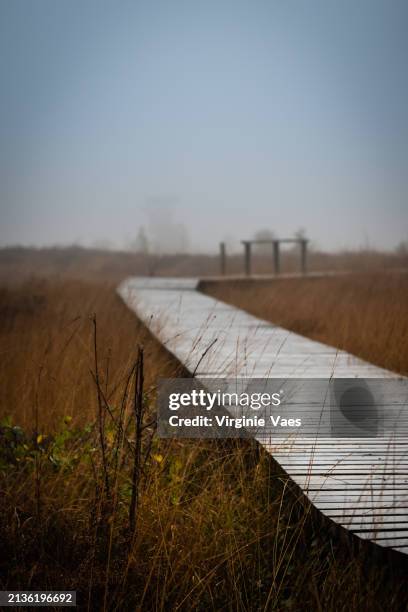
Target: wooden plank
(382, 522)
(359, 483)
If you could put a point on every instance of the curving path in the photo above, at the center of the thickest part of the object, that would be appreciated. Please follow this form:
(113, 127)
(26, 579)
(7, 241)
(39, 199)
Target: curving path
(361, 484)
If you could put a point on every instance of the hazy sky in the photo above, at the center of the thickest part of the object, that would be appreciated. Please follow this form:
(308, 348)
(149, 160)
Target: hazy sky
(228, 117)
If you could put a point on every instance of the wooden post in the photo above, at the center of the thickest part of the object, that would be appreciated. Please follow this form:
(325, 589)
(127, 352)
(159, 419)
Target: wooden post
(303, 256)
(276, 256)
(222, 258)
(247, 246)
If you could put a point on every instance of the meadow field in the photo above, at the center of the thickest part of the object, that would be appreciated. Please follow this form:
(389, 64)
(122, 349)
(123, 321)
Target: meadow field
(75, 262)
(91, 500)
(364, 313)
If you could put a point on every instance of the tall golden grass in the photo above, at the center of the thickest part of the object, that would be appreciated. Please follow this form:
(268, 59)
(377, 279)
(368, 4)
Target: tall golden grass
(365, 314)
(47, 347)
(216, 526)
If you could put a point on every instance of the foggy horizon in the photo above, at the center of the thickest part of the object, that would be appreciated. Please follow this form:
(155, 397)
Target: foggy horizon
(203, 123)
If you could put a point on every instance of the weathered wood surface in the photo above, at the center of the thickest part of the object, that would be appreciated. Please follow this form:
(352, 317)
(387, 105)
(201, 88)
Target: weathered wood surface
(360, 484)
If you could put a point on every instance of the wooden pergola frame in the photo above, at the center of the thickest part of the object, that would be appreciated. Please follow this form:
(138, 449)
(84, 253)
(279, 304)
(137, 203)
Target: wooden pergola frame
(275, 243)
(276, 252)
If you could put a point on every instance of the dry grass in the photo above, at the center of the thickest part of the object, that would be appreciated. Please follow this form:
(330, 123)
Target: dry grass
(46, 340)
(365, 314)
(217, 527)
(17, 263)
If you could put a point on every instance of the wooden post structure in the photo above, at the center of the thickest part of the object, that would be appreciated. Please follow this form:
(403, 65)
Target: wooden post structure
(247, 246)
(276, 256)
(223, 261)
(303, 256)
(302, 242)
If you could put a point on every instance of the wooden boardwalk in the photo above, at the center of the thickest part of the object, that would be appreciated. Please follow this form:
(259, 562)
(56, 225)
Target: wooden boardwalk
(361, 484)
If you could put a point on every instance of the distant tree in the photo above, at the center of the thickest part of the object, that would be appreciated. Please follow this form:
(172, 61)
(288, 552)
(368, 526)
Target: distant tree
(263, 234)
(181, 239)
(301, 234)
(402, 248)
(167, 236)
(141, 242)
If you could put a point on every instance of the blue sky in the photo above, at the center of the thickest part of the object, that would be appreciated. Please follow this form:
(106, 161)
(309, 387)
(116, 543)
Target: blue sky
(227, 117)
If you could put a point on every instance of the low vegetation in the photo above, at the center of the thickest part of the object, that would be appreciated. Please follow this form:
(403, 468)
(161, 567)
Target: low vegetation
(92, 500)
(365, 314)
(17, 263)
